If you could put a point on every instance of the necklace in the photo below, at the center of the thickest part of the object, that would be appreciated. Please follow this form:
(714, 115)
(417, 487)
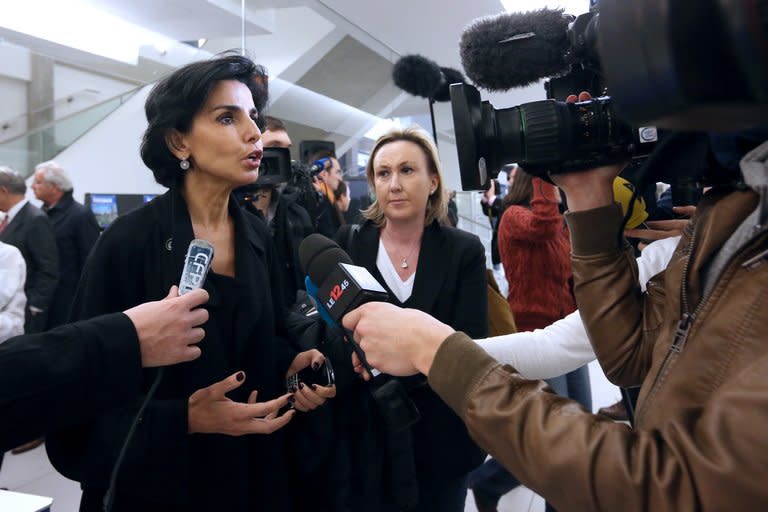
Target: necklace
(404, 259)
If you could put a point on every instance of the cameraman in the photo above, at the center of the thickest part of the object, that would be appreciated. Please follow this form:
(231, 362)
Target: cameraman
(695, 340)
(289, 223)
(327, 222)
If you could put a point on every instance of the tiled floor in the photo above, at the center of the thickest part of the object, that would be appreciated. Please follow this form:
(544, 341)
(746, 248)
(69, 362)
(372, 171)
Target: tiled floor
(32, 473)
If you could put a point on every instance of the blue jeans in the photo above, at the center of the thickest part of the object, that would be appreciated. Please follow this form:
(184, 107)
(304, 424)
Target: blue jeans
(492, 480)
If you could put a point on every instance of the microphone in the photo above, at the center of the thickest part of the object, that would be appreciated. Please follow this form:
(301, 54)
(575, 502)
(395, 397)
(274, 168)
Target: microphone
(197, 262)
(342, 286)
(420, 76)
(515, 49)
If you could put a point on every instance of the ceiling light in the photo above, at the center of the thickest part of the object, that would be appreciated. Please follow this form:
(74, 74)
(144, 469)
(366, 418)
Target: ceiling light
(79, 25)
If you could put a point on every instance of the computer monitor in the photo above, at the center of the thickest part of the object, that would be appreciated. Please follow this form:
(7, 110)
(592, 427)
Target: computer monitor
(104, 208)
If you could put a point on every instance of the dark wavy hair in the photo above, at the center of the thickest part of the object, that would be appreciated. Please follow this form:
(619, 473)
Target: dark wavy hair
(175, 100)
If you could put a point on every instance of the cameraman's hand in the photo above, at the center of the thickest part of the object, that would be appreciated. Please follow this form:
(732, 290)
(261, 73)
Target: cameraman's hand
(211, 412)
(589, 189)
(309, 396)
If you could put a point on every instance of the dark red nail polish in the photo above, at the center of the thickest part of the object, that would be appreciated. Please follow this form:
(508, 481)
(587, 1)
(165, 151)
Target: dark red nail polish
(313, 386)
(301, 385)
(240, 376)
(291, 399)
(315, 366)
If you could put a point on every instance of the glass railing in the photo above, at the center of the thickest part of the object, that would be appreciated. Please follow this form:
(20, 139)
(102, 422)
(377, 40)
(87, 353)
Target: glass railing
(23, 152)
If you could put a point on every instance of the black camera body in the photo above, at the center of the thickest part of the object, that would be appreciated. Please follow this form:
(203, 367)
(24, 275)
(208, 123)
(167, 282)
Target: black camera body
(684, 65)
(544, 137)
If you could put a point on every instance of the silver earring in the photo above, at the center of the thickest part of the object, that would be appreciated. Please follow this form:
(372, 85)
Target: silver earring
(184, 164)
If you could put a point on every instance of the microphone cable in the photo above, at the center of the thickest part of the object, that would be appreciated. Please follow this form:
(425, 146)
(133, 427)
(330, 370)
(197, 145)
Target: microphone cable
(109, 497)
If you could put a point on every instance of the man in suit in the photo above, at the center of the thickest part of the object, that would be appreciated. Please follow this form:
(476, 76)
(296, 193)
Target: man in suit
(76, 231)
(29, 230)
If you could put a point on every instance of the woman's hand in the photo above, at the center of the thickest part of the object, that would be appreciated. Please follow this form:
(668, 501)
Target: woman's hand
(309, 396)
(660, 229)
(211, 412)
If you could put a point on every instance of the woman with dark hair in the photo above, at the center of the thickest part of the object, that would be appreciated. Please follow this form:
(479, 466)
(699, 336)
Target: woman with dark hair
(190, 451)
(440, 270)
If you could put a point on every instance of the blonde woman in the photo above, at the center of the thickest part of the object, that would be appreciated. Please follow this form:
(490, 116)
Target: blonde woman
(439, 270)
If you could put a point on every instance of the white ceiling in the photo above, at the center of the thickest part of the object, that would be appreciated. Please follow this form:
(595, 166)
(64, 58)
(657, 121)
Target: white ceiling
(389, 28)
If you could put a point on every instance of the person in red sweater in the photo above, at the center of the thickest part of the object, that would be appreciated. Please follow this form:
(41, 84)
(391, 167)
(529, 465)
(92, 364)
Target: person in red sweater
(535, 252)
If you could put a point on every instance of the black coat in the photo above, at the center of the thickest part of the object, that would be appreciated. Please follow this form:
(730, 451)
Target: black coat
(76, 231)
(137, 259)
(65, 376)
(31, 232)
(450, 285)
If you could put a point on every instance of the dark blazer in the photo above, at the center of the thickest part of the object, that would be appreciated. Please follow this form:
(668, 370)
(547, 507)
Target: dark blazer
(76, 231)
(31, 232)
(65, 376)
(137, 259)
(450, 284)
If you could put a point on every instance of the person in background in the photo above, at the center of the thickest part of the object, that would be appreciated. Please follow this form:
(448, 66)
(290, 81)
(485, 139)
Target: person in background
(13, 272)
(275, 134)
(289, 223)
(29, 229)
(76, 231)
(326, 183)
(342, 201)
(491, 203)
(192, 451)
(426, 265)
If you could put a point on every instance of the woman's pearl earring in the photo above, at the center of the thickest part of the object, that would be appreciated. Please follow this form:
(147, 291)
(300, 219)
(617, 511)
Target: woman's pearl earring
(184, 164)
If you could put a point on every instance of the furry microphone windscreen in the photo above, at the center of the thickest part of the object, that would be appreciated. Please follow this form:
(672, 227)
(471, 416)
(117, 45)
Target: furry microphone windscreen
(515, 50)
(417, 75)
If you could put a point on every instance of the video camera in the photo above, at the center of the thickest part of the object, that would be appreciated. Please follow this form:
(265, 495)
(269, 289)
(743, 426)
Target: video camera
(682, 65)
(277, 168)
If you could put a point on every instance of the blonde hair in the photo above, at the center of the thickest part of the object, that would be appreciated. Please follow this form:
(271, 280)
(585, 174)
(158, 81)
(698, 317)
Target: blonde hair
(437, 203)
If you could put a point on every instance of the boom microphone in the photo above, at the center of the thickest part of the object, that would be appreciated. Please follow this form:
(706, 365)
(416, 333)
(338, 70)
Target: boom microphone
(516, 49)
(420, 76)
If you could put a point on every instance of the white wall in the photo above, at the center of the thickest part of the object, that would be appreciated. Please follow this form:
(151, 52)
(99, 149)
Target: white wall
(13, 107)
(84, 88)
(106, 159)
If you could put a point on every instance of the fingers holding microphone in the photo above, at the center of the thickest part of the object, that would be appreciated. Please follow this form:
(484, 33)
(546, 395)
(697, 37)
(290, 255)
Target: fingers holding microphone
(169, 329)
(397, 341)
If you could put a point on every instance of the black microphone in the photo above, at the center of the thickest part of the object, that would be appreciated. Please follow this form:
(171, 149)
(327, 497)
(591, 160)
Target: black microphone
(515, 49)
(423, 77)
(336, 285)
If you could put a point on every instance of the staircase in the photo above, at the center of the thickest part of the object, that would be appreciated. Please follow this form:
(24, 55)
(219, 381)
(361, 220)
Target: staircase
(23, 152)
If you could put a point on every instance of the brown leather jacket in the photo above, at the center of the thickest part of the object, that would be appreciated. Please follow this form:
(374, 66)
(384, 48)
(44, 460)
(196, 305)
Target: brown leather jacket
(701, 440)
